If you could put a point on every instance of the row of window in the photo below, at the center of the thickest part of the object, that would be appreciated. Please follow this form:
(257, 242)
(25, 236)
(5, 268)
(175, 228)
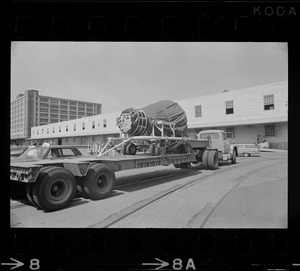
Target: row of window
(269, 131)
(64, 103)
(229, 106)
(83, 126)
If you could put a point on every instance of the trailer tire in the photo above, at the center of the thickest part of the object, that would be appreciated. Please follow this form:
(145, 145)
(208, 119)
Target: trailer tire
(99, 181)
(29, 191)
(131, 149)
(54, 189)
(213, 159)
(205, 159)
(233, 158)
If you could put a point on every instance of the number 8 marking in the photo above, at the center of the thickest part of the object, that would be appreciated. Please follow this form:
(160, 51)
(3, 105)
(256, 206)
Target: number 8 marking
(34, 264)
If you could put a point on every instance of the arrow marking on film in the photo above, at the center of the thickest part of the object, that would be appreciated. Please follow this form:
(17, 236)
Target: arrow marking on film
(161, 264)
(16, 263)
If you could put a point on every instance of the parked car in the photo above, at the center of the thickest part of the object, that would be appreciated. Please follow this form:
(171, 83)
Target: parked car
(248, 149)
(49, 152)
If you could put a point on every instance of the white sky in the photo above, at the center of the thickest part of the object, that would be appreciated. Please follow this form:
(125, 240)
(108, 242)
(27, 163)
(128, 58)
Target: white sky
(127, 74)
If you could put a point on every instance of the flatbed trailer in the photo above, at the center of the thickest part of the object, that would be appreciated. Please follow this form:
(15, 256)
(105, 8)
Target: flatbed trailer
(51, 184)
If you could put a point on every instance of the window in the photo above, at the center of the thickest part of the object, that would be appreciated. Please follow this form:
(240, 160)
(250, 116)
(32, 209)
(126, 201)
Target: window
(93, 124)
(59, 128)
(67, 153)
(269, 102)
(47, 130)
(229, 107)
(74, 127)
(104, 123)
(270, 130)
(67, 128)
(53, 130)
(230, 132)
(83, 126)
(198, 111)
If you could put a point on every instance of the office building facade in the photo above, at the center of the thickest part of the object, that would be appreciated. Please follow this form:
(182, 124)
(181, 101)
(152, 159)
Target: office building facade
(31, 109)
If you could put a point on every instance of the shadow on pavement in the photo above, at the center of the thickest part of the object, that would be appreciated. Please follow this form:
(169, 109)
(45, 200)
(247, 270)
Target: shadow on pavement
(146, 180)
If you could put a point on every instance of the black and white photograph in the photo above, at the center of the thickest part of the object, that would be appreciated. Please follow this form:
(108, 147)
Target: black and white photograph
(171, 135)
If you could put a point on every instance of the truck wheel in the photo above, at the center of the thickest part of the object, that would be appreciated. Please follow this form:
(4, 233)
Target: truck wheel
(205, 159)
(213, 159)
(233, 158)
(131, 149)
(29, 190)
(54, 189)
(99, 181)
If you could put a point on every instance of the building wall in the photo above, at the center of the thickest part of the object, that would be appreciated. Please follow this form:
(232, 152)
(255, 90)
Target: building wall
(248, 106)
(249, 118)
(31, 109)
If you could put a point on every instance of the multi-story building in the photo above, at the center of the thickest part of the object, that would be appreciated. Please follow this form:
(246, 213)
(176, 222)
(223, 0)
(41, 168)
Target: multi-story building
(244, 114)
(31, 109)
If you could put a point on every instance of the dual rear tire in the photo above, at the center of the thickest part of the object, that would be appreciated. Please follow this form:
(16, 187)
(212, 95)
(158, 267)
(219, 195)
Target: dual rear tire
(56, 187)
(210, 159)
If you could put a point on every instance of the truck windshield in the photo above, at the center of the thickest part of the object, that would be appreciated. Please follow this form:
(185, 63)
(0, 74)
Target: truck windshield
(34, 152)
(209, 135)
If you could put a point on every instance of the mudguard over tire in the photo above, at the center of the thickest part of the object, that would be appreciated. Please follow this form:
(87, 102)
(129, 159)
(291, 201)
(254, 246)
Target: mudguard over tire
(99, 181)
(54, 189)
(213, 159)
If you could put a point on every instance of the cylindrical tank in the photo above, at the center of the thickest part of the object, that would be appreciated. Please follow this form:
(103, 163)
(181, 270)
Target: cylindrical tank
(137, 122)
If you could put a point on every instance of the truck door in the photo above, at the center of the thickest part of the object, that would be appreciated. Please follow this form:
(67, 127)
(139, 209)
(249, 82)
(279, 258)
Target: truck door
(226, 144)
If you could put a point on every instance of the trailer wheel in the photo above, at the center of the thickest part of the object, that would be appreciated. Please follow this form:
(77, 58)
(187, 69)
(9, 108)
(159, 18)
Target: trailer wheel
(205, 159)
(54, 189)
(233, 158)
(99, 181)
(131, 149)
(29, 190)
(213, 159)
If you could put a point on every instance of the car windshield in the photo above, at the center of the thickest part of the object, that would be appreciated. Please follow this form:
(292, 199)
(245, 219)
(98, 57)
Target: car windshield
(34, 152)
(209, 135)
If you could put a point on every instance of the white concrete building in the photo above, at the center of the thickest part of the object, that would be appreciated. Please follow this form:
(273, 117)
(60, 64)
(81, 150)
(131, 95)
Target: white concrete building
(243, 114)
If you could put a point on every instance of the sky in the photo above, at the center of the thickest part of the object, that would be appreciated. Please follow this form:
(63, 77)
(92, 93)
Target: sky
(134, 74)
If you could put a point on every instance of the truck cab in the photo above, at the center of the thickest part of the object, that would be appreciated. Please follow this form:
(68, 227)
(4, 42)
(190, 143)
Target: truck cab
(218, 141)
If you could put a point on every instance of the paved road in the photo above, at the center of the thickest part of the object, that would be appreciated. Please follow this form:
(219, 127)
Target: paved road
(249, 194)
